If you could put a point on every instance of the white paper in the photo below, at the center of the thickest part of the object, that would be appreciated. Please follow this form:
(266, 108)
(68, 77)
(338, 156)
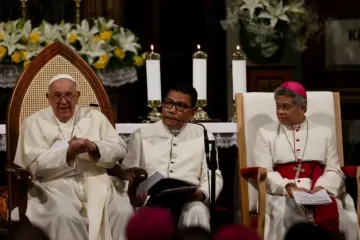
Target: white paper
(58, 145)
(149, 182)
(153, 78)
(199, 77)
(319, 198)
(239, 76)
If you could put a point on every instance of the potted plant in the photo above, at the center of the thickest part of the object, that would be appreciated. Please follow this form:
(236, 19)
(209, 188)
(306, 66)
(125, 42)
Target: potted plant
(266, 26)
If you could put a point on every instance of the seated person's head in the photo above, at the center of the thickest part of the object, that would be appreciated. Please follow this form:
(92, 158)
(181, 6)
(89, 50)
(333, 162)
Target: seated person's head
(193, 233)
(151, 223)
(291, 103)
(179, 104)
(63, 96)
(306, 231)
(236, 232)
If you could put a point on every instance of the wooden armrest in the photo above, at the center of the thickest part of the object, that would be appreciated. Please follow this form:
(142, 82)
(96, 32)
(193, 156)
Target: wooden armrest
(350, 171)
(19, 194)
(25, 177)
(136, 175)
(256, 173)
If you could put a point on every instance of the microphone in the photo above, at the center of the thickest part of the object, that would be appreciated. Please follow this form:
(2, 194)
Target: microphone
(100, 106)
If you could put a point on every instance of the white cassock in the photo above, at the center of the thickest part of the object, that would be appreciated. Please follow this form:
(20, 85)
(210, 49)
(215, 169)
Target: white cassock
(274, 147)
(80, 200)
(179, 155)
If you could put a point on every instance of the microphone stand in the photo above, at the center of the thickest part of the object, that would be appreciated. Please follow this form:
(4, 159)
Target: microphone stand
(211, 160)
(212, 165)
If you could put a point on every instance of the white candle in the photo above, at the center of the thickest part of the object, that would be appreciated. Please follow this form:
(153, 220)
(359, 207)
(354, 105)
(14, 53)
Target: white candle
(239, 73)
(199, 73)
(153, 76)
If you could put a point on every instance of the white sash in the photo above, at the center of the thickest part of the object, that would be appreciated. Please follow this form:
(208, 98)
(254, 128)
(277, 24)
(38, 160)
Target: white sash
(98, 194)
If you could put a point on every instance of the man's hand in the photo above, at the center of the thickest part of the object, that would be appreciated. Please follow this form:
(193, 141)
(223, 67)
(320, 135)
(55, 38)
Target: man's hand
(316, 189)
(290, 188)
(196, 196)
(199, 196)
(140, 199)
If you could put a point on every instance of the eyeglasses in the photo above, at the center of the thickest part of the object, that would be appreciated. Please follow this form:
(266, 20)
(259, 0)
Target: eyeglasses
(179, 106)
(284, 107)
(57, 98)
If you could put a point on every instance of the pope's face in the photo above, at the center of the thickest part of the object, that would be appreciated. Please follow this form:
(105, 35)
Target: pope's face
(177, 106)
(63, 98)
(287, 112)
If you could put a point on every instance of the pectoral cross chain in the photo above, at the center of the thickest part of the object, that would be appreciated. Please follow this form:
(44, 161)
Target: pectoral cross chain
(298, 169)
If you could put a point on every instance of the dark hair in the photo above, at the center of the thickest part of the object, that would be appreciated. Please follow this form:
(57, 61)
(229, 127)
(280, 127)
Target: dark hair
(186, 89)
(307, 231)
(192, 233)
(25, 230)
(297, 99)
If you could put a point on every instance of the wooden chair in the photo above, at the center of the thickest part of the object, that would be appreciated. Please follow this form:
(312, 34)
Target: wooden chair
(254, 110)
(29, 96)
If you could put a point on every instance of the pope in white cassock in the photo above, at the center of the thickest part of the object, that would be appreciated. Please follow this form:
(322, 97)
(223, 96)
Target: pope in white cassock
(301, 155)
(176, 150)
(69, 149)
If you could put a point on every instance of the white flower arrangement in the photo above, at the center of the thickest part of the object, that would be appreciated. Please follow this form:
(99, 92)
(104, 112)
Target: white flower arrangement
(263, 20)
(103, 45)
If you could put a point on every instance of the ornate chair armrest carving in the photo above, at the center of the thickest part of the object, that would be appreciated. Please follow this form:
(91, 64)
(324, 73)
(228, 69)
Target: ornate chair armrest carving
(135, 176)
(26, 180)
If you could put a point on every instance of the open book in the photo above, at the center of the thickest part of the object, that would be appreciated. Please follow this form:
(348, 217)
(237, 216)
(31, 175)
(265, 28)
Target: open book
(158, 185)
(319, 198)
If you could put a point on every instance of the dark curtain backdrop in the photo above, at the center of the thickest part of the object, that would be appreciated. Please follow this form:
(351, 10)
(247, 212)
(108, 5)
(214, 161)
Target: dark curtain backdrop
(175, 28)
(56, 10)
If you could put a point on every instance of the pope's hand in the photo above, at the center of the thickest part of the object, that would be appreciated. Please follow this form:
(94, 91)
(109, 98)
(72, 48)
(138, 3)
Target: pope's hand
(290, 188)
(82, 145)
(90, 146)
(77, 146)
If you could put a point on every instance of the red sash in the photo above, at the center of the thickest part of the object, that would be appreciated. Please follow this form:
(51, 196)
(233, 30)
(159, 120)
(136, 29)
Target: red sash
(325, 216)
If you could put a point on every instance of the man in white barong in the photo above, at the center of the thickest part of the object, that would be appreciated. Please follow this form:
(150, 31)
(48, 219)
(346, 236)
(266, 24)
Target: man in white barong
(175, 149)
(69, 148)
(301, 155)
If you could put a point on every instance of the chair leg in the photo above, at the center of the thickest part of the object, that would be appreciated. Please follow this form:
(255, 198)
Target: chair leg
(358, 193)
(262, 202)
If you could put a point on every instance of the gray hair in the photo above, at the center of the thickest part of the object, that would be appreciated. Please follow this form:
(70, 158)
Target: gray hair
(297, 99)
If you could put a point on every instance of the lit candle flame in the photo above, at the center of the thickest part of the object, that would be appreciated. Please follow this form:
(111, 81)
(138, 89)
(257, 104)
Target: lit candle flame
(152, 47)
(198, 46)
(238, 47)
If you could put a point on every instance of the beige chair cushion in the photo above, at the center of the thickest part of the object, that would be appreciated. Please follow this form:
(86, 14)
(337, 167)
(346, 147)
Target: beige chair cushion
(35, 97)
(260, 109)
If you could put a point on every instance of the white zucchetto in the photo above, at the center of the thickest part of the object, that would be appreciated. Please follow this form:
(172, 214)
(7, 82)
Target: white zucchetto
(61, 76)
